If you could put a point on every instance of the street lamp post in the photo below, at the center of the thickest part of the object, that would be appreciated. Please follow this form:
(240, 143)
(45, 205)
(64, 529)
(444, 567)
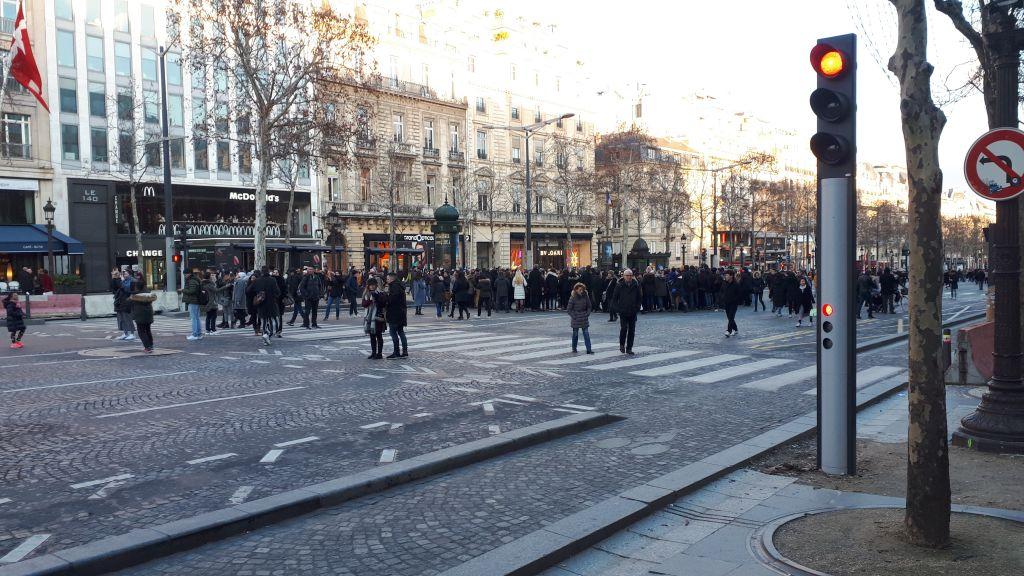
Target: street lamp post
(529, 131)
(170, 274)
(682, 248)
(600, 246)
(48, 211)
(335, 224)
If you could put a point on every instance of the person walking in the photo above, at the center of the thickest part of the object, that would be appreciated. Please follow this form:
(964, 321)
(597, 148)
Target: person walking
(806, 302)
(519, 290)
(438, 288)
(122, 289)
(461, 295)
(502, 291)
(294, 279)
(954, 283)
(375, 302)
(335, 291)
(142, 314)
(310, 291)
(865, 286)
(265, 294)
(579, 308)
(757, 290)
(484, 291)
(238, 301)
(627, 304)
(729, 299)
(15, 320)
(609, 296)
(396, 315)
(352, 291)
(420, 292)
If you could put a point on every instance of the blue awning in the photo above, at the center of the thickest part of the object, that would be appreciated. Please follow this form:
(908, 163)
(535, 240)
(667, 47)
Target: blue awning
(32, 239)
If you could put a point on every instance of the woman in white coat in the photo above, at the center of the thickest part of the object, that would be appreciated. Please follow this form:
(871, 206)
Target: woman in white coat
(519, 289)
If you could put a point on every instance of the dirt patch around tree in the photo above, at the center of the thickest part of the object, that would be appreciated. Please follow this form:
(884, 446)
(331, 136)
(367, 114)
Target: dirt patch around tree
(870, 542)
(976, 478)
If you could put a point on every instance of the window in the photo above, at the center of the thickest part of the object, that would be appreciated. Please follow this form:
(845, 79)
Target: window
(125, 106)
(426, 75)
(561, 160)
(223, 156)
(97, 100)
(202, 155)
(154, 155)
(483, 201)
(175, 110)
(121, 16)
(430, 189)
(333, 191)
(68, 95)
(558, 84)
(199, 79)
(123, 58)
(538, 154)
(453, 136)
(517, 199)
(69, 141)
(220, 78)
(244, 158)
(126, 147)
(98, 137)
(94, 53)
(471, 64)
(364, 185)
(481, 105)
(399, 186)
(174, 69)
(221, 118)
(151, 107)
(560, 209)
(428, 134)
(537, 115)
(579, 125)
(149, 67)
(94, 13)
(512, 72)
(398, 124)
(515, 113)
(481, 144)
(559, 122)
(540, 204)
(17, 136)
(66, 48)
(177, 153)
(63, 9)
(10, 9)
(148, 21)
(515, 150)
(199, 113)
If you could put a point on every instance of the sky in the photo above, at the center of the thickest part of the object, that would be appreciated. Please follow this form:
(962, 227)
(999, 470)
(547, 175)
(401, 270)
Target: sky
(755, 53)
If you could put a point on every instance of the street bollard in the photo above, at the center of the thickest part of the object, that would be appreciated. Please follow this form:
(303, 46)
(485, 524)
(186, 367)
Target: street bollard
(947, 349)
(899, 326)
(28, 306)
(83, 315)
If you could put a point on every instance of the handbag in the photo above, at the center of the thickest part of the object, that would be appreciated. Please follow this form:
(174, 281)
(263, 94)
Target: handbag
(287, 301)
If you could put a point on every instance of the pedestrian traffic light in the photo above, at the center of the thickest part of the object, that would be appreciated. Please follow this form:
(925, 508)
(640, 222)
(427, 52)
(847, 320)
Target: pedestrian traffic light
(176, 258)
(834, 102)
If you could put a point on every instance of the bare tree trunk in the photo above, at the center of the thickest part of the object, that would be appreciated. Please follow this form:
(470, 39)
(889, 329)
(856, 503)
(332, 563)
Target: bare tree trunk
(138, 226)
(928, 492)
(288, 223)
(259, 240)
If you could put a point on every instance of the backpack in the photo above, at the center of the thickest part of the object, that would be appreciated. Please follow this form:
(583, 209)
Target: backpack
(259, 298)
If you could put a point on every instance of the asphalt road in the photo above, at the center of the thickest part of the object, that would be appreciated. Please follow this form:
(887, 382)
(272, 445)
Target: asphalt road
(98, 438)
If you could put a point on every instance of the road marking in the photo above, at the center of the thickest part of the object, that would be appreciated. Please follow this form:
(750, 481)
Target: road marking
(461, 389)
(373, 426)
(5, 500)
(294, 442)
(422, 415)
(567, 410)
(581, 358)
(488, 409)
(955, 316)
(292, 366)
(578, 407)
(396, 429)
(105, 491)
(259, 362)
(387, 456)
(458, 344)
(229, 358)
(25, 548)
(772, 338)
(773, 383)
(741, 370)
(416, 382)
(499, 347)
(644, 360)
(518, 397)
(868, 376)
(211, 458)
(494, 429)
(240, 495)
(49, 353)
(271, 457)
(553, 352)
(683, 366)
(199, 353)
(141, 410)
(97, 381)
(374, 376)
(103, 481)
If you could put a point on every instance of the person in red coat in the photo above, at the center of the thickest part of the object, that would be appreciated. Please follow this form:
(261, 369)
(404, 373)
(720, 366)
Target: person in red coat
(45, 281)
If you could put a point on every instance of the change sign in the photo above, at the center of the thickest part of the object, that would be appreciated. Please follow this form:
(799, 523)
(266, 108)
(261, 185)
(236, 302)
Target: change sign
(995, 164)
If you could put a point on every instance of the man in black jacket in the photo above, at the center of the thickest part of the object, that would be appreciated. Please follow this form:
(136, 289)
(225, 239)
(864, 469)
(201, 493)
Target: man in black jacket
(294, 278)
(310, 292)
(730, 299)
(627, 306)
(396, 315)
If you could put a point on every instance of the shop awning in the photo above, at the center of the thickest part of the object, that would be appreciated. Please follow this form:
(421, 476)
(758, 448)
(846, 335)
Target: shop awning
(32, 239)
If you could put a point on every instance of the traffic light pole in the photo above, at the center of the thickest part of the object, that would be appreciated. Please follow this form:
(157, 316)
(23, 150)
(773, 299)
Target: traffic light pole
(169, 269)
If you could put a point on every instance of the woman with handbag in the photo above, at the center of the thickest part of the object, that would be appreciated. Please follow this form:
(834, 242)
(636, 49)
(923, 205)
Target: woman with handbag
(375, 302)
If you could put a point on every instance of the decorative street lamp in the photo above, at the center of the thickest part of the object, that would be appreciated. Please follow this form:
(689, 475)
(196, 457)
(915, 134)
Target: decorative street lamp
(335, 224)
(48, 211)
(600, 245)
(682, 247)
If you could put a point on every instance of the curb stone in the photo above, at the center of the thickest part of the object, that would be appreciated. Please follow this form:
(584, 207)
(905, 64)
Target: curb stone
(886, 340)
(555, 542)
(141, 545)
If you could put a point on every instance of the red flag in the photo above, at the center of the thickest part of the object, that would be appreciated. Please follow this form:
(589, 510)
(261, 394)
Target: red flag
(23, 63)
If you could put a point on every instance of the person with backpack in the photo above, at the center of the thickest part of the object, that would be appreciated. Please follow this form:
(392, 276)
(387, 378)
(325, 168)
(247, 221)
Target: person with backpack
(194, 298)
(15, 320)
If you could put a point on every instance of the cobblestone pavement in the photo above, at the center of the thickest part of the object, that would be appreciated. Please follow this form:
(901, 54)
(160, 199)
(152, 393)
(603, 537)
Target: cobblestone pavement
(100, 438)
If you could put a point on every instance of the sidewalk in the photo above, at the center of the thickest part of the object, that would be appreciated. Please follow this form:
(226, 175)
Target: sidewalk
(721, 529)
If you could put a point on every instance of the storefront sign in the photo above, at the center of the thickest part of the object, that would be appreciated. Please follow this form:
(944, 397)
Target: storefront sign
(149, 191)
(552, 252)
(251, 196)
(418, 237)
(18, 184)
(145, 253)
(90, 195)
(223, 230)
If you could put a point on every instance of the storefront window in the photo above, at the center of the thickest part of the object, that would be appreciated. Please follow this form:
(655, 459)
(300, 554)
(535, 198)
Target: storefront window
(17, 207)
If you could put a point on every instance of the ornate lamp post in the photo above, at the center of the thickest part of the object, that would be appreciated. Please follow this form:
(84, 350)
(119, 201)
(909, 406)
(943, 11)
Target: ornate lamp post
(682, 247)
(336, 224)
(48, 211)
(600, 246)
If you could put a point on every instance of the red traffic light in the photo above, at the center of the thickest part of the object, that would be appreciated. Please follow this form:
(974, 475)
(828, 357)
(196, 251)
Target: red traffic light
(828, 61)
(176, 258)
(826, 310)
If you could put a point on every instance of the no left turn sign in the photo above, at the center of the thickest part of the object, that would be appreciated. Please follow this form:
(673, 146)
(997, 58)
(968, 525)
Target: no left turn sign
(995, 164)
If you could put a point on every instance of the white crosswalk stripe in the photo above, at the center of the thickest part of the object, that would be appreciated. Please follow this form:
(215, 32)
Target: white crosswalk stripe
(869, 376)
(644, 360)
(581, 358)
(556, 349)
(773, 383)
(445, 336)
(741, 370)
(469, 343)
(691, 365)
(488, 349)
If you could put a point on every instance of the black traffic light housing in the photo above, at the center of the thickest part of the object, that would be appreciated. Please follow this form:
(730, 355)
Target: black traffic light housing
(834, 102)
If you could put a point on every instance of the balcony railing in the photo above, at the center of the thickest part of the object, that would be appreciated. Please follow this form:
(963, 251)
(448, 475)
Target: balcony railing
(16, 151)
(431, 153)
(407, 88)
(456, 157)
(225, 229)
(6, 26)
(538, 162)
(403, 149)
(481, 154)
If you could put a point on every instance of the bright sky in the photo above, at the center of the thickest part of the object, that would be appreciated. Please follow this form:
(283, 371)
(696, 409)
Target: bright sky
(755, 53)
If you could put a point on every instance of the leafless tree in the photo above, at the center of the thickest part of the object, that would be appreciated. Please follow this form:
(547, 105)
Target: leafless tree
(271, 60)
(735, 197)
(667, 198)
(574, 185)
(702, 203)
(494, 206)
(391, 193)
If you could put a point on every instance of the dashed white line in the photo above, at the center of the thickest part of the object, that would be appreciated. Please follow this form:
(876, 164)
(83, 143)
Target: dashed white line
(259, 362)
(518, 397)
(5, 500)
(374, 376)
(578, 407)
(387, 456)
(199, 353)
(461, 389)
(396, 429)
(103, 481)
(488, 409)
(292, 366)
(494, 429)
(567, 410)
(294, 442)
(211, 458)
(271, 457)
(25, 548)
(200, 402)
(373, 426)
(97, 381)
(416, 382)
(240, 495)
(229, 358)
(105, 491)
(422, 415)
